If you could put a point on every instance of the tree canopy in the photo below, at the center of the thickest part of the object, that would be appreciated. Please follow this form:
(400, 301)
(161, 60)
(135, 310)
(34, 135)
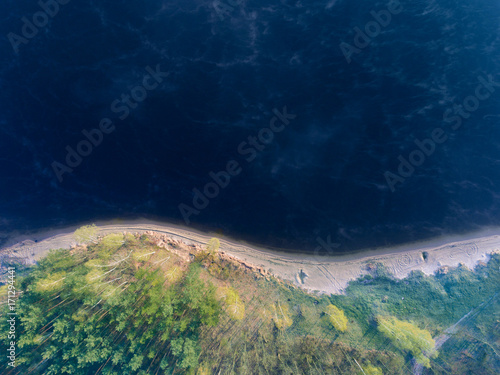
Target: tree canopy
(104, 312)
(336, 317)
(408, 337)
(213, 245)
(86, 234)
(234, 306)
(124, 305)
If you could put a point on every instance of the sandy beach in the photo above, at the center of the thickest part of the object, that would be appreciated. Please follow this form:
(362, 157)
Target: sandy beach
(325, 274)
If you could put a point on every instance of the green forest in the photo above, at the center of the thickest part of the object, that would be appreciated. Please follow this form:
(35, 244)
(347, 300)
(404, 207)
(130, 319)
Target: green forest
(119, 304)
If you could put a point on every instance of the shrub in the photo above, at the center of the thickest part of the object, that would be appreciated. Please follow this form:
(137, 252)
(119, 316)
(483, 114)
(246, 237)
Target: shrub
(336, 317)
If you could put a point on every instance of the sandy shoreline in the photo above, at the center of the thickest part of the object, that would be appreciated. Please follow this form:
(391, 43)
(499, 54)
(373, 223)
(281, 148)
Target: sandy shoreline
(328, 274)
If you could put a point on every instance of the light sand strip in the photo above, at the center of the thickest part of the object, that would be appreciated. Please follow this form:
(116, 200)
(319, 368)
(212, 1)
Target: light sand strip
(329, 274)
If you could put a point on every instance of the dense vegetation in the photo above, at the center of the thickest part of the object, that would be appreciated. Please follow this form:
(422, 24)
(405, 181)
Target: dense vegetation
(122, 305)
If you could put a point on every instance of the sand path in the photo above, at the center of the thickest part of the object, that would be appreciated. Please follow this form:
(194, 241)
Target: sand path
(328, 274)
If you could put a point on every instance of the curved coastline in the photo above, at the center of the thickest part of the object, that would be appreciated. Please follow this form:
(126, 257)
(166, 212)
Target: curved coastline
(325, 274)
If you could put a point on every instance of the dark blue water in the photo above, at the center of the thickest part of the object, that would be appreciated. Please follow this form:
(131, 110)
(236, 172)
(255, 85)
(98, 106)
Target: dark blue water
(321, 175)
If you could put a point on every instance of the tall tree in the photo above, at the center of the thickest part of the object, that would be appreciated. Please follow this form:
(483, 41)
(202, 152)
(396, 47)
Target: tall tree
(408, 337)
(336, 317)
(86, 234)
(213, 245)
